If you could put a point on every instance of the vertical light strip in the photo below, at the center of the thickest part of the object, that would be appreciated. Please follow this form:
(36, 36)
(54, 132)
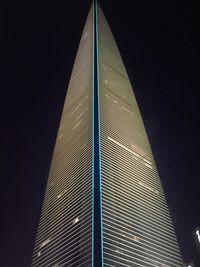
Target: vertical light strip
(97, 212)
(93, 86)
(99, 119)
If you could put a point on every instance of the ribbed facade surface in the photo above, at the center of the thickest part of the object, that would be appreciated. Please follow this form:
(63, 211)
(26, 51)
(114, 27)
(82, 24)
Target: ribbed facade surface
(64, 236)
(104, 204)
(137, 228)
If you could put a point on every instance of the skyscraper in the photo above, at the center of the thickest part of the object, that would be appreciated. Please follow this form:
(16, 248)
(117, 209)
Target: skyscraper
(104, 204)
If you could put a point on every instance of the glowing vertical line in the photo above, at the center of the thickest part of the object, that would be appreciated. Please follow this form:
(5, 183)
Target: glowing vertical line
(99, 129)
(93, 136)
(97, 217)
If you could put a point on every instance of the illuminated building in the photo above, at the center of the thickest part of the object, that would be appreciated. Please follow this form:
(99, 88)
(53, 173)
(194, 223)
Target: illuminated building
(196, 235)
(104, 204)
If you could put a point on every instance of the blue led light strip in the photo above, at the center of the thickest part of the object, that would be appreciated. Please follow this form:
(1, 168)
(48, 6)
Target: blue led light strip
(100, 187)
(97, 208)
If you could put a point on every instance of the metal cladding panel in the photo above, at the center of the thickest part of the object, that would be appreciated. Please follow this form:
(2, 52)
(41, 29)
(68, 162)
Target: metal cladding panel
(137, 228)
(64, 236)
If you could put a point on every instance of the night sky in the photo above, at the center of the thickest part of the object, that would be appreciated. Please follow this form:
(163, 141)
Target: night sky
(158, 41)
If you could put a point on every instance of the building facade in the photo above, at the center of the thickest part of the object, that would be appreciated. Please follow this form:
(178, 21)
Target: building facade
(104, 204)
(196, 235)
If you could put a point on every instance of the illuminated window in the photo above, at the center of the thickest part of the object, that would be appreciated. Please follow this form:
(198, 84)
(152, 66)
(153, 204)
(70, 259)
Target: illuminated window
(147, 161)
(82, 113)
(75, 109)
(76, 220)
(148, 187)
(61, 194)
(118, 251)
(126, 148)
(134, 154)
(141, 152)
(60, 136)
(148, 165)
(76, 125)
(79, 116)
(124, 108)
(106, 82)
(44, 243)
(85, 36)
(136, 238)
(132, 237)
(39, 253)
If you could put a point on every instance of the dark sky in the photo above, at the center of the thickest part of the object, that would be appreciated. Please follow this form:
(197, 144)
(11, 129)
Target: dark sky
(159, 43)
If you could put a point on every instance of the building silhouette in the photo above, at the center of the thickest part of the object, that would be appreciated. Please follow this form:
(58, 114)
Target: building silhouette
(104, 204)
